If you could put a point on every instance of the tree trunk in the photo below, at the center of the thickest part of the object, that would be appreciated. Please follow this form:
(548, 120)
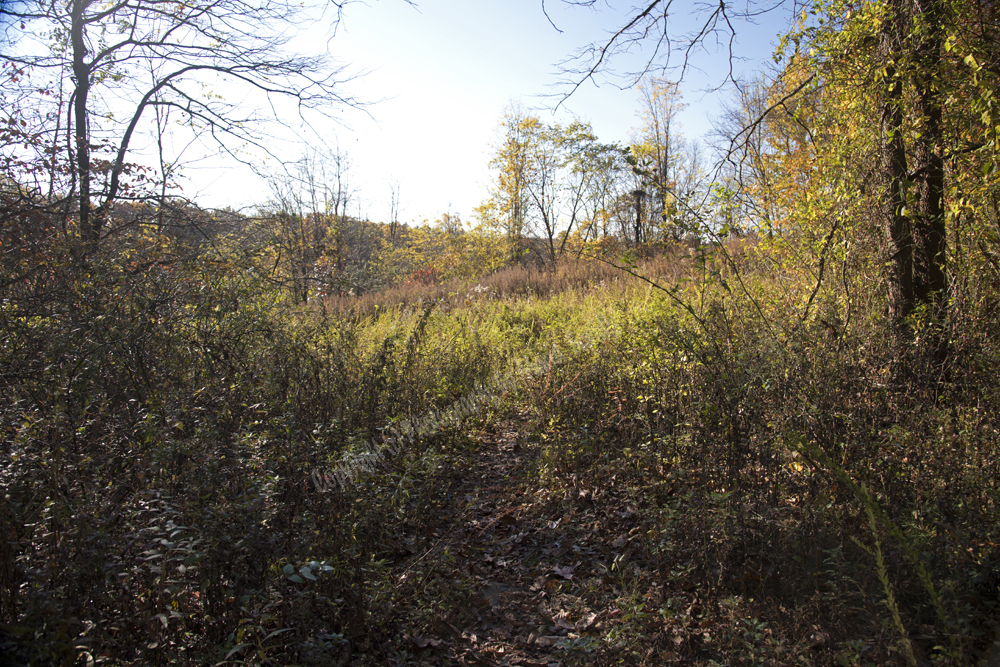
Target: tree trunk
(913, 206)
(638, 194)
(81, 135)
(898, 232)
(929, 233)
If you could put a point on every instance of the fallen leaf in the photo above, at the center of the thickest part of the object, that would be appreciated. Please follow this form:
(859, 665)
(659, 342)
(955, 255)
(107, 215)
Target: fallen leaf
(536, 662)
(566, 571)
(562, 620)
(547, 640)
(424, 642)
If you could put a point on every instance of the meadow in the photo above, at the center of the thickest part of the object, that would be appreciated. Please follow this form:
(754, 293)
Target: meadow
(691, 457)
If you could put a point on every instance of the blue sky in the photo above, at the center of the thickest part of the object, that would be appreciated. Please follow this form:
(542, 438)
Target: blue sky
(439, 76)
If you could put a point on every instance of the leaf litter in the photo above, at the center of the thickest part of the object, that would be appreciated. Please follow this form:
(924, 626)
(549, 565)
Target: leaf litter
(518, 569)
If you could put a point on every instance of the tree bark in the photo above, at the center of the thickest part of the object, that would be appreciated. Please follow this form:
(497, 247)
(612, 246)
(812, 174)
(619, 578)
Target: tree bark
(929, 233)
(81, 135)
(898, 232)
(913, 206)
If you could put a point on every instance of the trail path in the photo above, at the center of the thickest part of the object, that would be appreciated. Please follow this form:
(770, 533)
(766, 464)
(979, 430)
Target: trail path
(513, 573)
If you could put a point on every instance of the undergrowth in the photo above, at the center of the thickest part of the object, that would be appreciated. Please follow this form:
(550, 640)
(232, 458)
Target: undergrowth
(803, 491)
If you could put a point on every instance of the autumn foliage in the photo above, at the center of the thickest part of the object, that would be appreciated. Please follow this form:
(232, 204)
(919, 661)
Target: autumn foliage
(740, 417)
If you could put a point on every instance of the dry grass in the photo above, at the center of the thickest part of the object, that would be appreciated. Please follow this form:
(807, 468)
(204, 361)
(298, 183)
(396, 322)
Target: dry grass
(680, 472)
(569, 274)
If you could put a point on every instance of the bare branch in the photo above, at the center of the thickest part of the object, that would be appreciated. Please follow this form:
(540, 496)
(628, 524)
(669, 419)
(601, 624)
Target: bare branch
(157, 53)
(549, 18)
(649, 29)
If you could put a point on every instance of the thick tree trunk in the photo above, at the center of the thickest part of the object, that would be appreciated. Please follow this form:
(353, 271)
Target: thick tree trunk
(913, 205)
(898, 231)
(929, 232)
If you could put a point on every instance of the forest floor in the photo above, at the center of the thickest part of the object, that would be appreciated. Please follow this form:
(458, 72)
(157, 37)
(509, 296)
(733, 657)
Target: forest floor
(527, 567)
(510, 567)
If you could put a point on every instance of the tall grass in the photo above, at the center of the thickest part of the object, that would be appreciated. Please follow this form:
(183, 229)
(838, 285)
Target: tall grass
(161, 426)
(798, 421)
(513, 282)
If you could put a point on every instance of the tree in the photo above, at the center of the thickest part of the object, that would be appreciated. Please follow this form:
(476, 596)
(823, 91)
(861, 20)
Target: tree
(107, 66)
(911, 41)
(509, 201)
(394, 207)
(656, 146)
(311, 227)
(592, 173)
(600, 173)
(542, 182)
(549, 179)
(923, 73)
(928, 68)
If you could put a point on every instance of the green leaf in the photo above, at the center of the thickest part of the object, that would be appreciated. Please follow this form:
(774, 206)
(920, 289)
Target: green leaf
(239, 647)
(297, 579)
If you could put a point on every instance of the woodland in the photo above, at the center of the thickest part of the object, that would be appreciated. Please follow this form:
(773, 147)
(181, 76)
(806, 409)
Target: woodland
(650, 406)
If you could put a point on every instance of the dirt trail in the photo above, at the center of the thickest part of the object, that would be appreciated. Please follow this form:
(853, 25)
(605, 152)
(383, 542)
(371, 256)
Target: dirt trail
(519, 576)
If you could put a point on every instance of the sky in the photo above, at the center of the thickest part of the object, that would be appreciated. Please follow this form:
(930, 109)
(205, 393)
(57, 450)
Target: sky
(438, 76)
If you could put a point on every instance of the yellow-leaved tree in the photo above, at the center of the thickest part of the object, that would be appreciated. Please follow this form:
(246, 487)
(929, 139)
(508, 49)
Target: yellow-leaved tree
(550, 180)
(433, 252)
(667, 178)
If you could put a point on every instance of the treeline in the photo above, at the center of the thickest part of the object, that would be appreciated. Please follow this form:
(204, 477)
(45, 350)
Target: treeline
(556, 191)
(822, 366)
(561, 184)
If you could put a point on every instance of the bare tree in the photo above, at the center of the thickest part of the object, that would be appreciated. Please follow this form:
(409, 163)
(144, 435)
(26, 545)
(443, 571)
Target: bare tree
(103, 54)
(310, 222)
(394, 208)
